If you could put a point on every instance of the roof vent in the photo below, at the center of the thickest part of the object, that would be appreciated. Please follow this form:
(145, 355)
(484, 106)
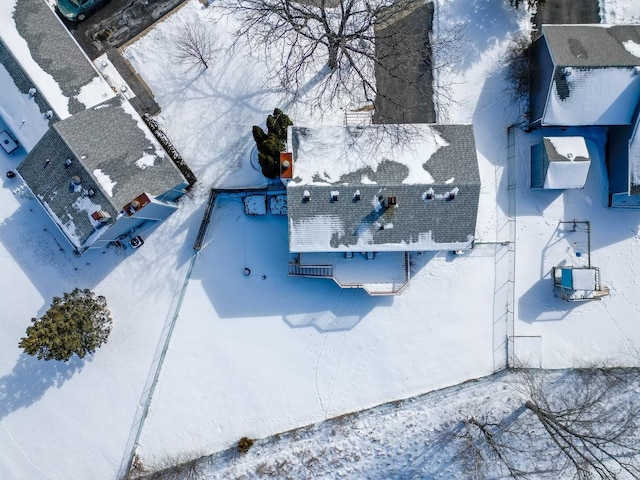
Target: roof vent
(76, 180)
(32, 92)
(67, 162)
(286, 165)
(91, 192)
(356, 196)
(306, 196)
(334, 195)
(390, 201)
(135, 204)
(567, 71)
(48, 114)
(450, 196)
(428, 195)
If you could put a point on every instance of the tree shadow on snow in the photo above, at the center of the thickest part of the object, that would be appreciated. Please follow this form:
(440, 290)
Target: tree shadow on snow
(31, 378)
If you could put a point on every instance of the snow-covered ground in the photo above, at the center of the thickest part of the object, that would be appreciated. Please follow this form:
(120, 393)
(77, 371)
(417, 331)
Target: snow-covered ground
(259, 354)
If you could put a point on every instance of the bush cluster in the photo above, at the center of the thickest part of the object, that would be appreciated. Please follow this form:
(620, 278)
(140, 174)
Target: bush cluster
(272, 142)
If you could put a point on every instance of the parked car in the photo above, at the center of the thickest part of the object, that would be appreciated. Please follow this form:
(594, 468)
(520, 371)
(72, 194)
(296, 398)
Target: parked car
(77, 10)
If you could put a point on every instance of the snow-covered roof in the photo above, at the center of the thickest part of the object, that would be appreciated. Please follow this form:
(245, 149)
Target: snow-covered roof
(21, 108)
(51, 58)
(569, 162)
(113, 154)
(583, 279)
(593, 96)
(344, 150)
(357, 189)
(596, 74)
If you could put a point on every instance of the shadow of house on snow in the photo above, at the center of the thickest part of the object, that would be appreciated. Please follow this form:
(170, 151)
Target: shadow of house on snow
(260, 243)
(31, 378)
(45, 257)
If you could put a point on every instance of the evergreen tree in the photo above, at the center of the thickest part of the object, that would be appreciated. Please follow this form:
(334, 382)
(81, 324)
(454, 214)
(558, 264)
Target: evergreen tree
(272, 142)
(78, 323)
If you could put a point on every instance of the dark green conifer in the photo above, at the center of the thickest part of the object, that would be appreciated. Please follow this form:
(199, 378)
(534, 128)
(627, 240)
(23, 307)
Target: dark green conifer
(78, 323)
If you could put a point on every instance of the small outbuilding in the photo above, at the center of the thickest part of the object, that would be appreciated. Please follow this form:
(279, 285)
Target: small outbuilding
(578, 283)
(559, 163)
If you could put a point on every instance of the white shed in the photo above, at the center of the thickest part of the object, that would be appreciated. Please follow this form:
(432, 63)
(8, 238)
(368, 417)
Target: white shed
(560, 163)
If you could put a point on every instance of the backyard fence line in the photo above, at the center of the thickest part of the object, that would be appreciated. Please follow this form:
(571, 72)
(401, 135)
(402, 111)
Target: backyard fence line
(152, 380)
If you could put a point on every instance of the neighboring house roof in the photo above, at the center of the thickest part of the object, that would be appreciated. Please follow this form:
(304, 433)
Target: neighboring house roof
(594, 45)
(594, 79)
(115, 157)
(23, 113)
(52, 59)
(431, 170)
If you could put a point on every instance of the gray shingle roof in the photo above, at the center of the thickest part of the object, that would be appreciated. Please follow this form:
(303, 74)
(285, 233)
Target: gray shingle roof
(54, 49)
(111, 137)
(592, 45)
(416, 223)
(113, 154)
(22, 80)
(49, 178)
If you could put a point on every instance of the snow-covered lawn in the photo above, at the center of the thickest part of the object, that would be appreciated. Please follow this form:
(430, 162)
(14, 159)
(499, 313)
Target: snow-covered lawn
(255, 355)
(259, 354)
(553, 333)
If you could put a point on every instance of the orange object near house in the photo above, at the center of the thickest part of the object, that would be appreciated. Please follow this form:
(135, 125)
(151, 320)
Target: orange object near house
(286, 165)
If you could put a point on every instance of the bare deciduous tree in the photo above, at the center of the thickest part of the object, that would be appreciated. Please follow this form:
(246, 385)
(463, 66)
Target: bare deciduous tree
(582, 423)
(338, 48)
(592, 419)
(195, 46)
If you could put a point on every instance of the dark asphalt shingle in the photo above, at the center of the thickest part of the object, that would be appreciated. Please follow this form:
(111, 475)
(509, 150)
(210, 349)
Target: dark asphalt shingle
(105, 140)
(416, 221)
(592, 45)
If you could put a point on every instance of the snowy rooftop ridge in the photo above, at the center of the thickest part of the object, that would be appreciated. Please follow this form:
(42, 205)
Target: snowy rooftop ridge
(364, 192)
(329, 155)
(58, 68)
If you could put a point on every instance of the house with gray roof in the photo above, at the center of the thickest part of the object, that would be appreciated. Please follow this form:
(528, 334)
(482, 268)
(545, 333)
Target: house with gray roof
(101, 176)
(87, 155)
(589, 76)
(378, 191)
